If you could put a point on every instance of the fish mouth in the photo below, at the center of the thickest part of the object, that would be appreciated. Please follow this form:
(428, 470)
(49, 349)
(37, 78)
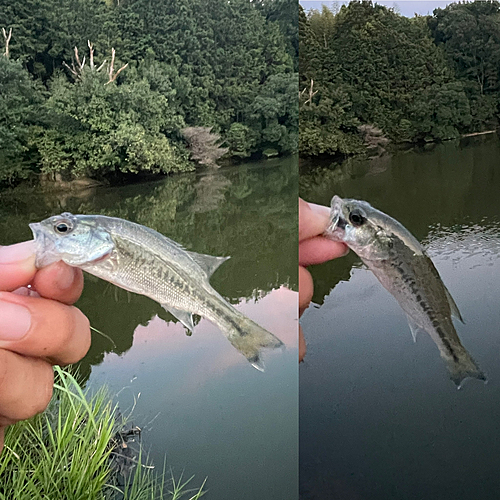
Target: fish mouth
(336, 228)
(38, 234)
(45, 252)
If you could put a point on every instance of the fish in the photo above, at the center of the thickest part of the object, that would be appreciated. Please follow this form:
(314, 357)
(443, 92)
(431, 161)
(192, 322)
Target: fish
(403, 268)
(143, 261)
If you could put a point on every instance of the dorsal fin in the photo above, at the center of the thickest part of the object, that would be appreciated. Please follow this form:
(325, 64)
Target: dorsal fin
(208, 263)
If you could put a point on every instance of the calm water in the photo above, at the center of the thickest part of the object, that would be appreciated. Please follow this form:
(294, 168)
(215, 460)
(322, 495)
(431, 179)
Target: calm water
(379, 417)
(199, 402)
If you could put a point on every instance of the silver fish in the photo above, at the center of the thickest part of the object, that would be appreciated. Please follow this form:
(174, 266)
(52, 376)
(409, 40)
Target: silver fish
(143, 261)
(399, 262)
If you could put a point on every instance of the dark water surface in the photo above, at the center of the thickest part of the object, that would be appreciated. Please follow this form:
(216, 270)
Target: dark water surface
(379, 417)
(196, 399)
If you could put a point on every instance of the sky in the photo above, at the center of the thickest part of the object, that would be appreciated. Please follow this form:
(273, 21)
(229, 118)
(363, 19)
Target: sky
(407, 8)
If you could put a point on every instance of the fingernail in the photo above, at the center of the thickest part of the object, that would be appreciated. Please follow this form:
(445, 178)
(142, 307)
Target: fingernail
(17, 253)
(15, 321)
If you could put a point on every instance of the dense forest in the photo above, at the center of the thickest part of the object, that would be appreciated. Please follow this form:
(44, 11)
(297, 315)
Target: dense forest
(111, 88)
(369, 76)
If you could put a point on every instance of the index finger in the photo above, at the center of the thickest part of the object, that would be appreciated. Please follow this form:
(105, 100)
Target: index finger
(313, 219)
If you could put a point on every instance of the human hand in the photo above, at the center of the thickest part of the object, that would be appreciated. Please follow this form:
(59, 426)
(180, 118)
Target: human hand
(314, 248)
(38, 328)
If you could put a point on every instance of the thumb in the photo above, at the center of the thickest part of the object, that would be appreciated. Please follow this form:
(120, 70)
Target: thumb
(17, 265)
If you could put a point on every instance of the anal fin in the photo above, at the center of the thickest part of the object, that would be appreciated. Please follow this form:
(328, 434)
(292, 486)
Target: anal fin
(186, 318)
(453, 306)
(413, 327)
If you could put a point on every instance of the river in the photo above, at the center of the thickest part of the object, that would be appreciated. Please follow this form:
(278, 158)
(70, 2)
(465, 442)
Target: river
(201, 406)
(379, 417)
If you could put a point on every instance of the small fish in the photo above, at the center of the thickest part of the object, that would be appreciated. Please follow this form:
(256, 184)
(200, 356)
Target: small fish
(399, 262)
(143, 261)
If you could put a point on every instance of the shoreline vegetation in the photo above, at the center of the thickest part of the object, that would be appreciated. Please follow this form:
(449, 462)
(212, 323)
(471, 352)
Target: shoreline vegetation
(372, 79)
(77, 449)
(120, 90)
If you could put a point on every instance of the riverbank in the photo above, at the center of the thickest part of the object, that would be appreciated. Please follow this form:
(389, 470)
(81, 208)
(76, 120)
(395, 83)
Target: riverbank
(311, 162)
(56, 183)
(78, 448)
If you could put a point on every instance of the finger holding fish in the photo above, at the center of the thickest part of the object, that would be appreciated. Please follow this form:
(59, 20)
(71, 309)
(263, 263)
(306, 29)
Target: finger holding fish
(36, 330)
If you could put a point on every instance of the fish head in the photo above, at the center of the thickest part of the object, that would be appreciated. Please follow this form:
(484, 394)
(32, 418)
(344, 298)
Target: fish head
(357, 224)
(77, 240)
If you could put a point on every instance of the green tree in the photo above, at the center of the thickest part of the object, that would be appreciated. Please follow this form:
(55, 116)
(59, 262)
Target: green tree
(469, 34)
(98, 129)
(20, 100)
(191, 63)
(46, 31)
(242, 140)
(285, 13)
(275, 113)
(371, 66)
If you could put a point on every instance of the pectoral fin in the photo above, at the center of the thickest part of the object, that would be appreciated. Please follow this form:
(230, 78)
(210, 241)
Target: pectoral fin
(184, 317)
(208, 263)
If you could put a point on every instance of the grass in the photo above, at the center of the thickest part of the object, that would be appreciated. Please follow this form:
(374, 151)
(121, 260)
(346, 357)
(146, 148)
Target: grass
(72, 451)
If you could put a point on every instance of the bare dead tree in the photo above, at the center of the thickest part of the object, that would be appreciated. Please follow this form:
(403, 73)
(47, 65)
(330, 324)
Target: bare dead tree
(92, 66)
(373, 138)
(204, 145)
(112, 77)
(311, 93)
(77, 69)
(7, 41)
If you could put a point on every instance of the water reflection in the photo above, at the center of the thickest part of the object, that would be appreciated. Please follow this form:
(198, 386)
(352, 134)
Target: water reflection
(198, 400)
(373, 403)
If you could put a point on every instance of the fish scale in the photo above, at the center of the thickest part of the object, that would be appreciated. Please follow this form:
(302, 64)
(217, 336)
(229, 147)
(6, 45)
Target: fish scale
(398, 261)
(141, 260)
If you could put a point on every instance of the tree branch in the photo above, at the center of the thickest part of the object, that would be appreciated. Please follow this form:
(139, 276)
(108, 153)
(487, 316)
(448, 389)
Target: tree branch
(91, 48)
(77, 70)
(311, 93)
(7, 40)
(112, 77)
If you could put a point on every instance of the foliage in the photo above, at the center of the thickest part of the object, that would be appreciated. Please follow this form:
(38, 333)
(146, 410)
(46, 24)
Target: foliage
(67, 452)
(241, 140)
(285, 13)
(274, 113)
(191, 63)
(97, 129)
(420, 79)
(20, 100)
(223, 50)
(469, 34)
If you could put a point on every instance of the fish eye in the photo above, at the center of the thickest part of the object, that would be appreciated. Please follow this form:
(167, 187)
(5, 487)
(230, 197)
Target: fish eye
(356, 218)
(63, 227)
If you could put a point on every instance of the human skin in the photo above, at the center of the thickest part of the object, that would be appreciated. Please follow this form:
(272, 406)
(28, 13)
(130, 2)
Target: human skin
(314, 248)
(39, 328)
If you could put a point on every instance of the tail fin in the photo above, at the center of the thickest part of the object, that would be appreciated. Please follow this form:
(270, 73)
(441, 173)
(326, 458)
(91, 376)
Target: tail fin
(462, 368)
(250, 338)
